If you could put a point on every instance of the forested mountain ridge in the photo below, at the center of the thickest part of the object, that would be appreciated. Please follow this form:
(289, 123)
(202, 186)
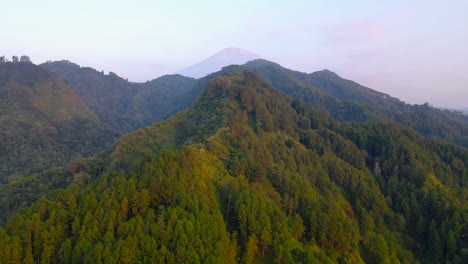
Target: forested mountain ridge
(122, 105)
(349, 101)
(43, 123)
(126, 106)
(154, 99)
(267, 178)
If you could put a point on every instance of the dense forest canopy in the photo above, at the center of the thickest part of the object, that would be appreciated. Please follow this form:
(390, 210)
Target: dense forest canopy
(346, 100)
(43, 123)
(122, 105)
(249, 174)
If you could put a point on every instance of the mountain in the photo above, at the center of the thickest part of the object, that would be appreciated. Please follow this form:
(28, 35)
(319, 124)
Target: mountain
(43, 123)
(317, 86)
(214, 63)
(249, 174)
(121, 105)
(348, 101)
(125, 106)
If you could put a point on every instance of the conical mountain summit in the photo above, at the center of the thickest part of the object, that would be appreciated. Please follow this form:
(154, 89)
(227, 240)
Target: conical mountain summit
(225, 57)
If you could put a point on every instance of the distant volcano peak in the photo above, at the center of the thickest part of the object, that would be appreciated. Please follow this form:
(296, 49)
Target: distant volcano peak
(225, 57)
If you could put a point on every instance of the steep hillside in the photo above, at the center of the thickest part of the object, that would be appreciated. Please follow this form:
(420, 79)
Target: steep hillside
(122, 105)
(43, 122)
(161, 98)
(249, 175)
(327, 82)
(349, 101)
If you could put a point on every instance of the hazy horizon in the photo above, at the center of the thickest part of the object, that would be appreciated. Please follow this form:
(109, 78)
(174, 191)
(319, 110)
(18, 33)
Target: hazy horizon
(413, 51)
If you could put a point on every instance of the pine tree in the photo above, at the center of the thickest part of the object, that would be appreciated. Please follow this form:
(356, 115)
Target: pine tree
(451, 245)
(251, 249)
(433, 240)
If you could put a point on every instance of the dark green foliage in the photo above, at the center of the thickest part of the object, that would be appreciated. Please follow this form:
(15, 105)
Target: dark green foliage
(43, 124)
(250, 175)
(349, 101)
(419, 179)
(433, 242)
(378, 251)
(124, 106)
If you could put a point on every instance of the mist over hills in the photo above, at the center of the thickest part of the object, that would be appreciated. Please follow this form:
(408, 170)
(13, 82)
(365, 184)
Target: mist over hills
(253, 163)
(343, 99)
(124, 106)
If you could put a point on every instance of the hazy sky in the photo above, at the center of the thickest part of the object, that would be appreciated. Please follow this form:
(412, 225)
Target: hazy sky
(414, 50)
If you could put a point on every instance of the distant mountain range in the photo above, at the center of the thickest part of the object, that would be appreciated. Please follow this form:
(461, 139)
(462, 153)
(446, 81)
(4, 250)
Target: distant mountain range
(124, 106)
(214, 63)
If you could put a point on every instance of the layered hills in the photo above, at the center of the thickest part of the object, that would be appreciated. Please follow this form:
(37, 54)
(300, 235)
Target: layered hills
(122, 105)
(249, 174)
(43, 122)
(125, 106)
(346, 100)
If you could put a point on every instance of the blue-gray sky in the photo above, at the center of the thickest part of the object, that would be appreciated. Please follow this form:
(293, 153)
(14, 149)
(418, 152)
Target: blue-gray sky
(414, 50)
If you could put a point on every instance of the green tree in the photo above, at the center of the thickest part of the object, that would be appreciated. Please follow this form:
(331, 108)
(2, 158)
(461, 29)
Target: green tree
(378, 250)
(251, 249)
(451, 245)
(434, 243)
(67, 252)
(297, 227)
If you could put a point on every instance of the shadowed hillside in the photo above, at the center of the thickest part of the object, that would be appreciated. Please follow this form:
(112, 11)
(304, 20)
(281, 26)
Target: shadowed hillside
(125, 106)
(43, 122)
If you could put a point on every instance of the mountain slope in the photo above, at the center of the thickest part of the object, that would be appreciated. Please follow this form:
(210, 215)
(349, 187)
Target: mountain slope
(247, 174)
(214, 63)
(127, 106)
(122, 105)
(43, 122)
(349, 101)
(161, 98)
